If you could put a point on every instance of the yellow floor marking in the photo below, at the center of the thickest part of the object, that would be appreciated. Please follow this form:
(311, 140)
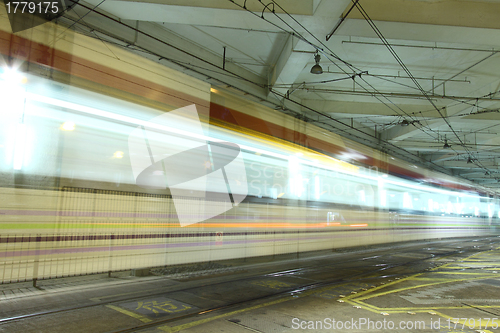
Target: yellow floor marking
(290, 298)
(442, 266)
(365, 306)
(271, 284)
(206, 320)
(472, 263)
(414, 277)
(462, 322)
(98, 299)
(369, 291)
(414, 309)
(130, 313)
(376, 309)
(433, 279)
(166, 306)
(465, 273)
(445, 257)
(357, 299)
(470, 268)
(403, 289)
(327, 289)
(469, 257)
(353, 299)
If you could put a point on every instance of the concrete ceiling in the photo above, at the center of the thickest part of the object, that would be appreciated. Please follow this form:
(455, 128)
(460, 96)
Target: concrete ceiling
(440, 76)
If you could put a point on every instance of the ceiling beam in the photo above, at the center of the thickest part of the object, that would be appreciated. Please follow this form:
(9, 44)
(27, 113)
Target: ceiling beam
(434, 97)
(465, 165)
(420, 32)
(439, 157)
(398, 132)
(429, 146)
(171, 50)
(472, 174)
(296, 7)
(494, 185)
(334, 106)
(288, 66)
(199, 16)
(481, 177)
(474, 14)
(486, 181)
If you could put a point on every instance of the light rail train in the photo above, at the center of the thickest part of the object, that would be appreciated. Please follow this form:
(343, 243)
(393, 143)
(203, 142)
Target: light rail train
(70, 201)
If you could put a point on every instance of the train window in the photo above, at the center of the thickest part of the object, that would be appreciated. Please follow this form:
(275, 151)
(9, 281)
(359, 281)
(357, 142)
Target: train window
(334, 217)
(330, 217)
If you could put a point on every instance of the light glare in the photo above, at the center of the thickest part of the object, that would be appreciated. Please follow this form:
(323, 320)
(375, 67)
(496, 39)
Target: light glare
(68, 126)
(118, 154)
(12, 76)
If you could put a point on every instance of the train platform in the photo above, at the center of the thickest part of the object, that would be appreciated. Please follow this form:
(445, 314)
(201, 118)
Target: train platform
(448, 285)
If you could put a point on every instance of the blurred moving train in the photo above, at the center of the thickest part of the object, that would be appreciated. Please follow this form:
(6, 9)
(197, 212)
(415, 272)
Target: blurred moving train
(70, 203)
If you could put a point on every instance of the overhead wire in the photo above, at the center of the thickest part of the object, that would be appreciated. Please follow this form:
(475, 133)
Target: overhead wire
(468, 68)
(79, 19)
(352, 67)
(156, 55)
(192, 68)
(417, 84)
(394, 54)
(401, 63)
(315, 82)
(296, 34)
(299, 35)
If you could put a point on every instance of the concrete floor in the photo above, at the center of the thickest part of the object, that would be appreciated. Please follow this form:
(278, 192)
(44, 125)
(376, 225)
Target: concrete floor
(440, 286)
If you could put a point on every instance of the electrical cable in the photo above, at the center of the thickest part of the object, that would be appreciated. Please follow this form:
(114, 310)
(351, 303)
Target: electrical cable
(239, 77)
(417, 84)
(379, 34)
(351, 66)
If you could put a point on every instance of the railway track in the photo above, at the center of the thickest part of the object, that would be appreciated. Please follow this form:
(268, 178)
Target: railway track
(380, 265)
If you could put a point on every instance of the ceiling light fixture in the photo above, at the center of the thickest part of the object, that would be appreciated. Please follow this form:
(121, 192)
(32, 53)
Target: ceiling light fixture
(446, 145)
(469, 160)
(316, 69)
